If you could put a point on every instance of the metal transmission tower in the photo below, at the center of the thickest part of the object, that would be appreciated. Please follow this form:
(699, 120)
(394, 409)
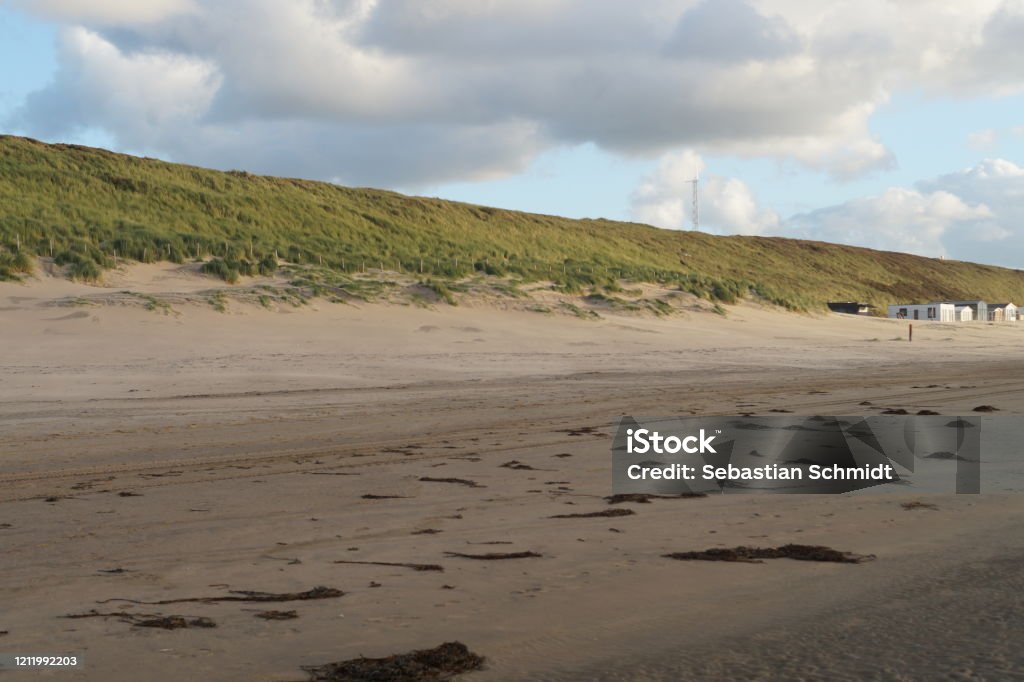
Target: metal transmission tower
(696, 201)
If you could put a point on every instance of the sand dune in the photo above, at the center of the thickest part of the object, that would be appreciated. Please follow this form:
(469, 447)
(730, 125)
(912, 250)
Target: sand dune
(153, 457)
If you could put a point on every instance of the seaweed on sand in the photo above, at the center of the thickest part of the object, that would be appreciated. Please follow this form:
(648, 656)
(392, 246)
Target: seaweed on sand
(645, 498)
(151, 620)
(276, 615)
(917, 504)
(415, 567)
(755, 555)
(246, 596)
(581, 431)
(175, 622)
(460, 481)
(496, 556)
(440, 663)
(517, 465)
(592, 515)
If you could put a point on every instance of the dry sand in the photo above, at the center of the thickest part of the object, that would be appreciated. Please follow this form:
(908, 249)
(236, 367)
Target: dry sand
(248, 439)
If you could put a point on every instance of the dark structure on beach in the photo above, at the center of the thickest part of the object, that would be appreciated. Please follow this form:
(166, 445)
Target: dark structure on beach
(849, 307)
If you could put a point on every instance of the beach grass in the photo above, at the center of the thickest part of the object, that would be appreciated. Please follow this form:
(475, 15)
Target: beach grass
(90, 209)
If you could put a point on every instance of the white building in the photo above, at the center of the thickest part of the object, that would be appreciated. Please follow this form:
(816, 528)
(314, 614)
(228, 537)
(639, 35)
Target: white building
(929, 312)
(1002, 312)
(964, 313)
(978, 308)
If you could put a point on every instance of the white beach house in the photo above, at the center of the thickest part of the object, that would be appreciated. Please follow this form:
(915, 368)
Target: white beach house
(964, 313)
(931, 312)
(1002, 312)
(978, 308)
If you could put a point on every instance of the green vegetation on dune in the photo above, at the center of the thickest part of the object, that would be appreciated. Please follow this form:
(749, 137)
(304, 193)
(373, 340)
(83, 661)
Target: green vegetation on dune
(14, 263)
(88, 207)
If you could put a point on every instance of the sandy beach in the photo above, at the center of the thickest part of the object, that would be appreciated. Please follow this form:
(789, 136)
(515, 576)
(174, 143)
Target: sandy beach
(155, 455)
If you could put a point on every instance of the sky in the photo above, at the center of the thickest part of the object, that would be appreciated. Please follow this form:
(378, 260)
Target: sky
(892, 125)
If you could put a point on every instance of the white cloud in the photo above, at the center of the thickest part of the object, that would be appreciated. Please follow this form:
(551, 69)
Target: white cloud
(900, 219)
(108, 12)
(732, 208)
(976, 214)
(663, 198)
(708, 33)
(775, 78)
(726, 205)
(367, 156)
(846, 149)
(144, 97)
(997, 58)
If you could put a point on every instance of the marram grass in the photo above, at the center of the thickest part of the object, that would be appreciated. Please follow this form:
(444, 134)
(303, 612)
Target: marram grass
(89, 207)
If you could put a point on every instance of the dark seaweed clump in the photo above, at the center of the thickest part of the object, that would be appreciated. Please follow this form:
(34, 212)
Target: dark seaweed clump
(645, 498)
(440, 663)
(755, 555)
(495, 556)
(597, 514)
(144, 620)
